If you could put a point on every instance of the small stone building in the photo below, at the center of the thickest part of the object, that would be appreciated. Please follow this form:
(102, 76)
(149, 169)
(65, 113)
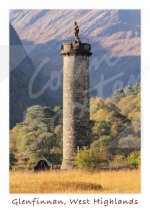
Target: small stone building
(42, 165)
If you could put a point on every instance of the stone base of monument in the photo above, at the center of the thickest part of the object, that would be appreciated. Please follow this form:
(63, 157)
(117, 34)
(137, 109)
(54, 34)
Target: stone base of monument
(67, 164)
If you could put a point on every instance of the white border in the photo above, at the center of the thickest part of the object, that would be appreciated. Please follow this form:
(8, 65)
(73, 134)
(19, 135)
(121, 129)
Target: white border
(5, 198)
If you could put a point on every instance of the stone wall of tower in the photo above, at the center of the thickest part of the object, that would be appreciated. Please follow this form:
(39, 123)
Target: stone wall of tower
(75, 106)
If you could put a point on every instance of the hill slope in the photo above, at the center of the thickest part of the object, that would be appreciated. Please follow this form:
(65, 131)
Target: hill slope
(114, 35)
(21, 72)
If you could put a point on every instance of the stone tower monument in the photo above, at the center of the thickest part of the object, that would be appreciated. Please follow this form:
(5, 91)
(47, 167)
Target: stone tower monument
(75, 96)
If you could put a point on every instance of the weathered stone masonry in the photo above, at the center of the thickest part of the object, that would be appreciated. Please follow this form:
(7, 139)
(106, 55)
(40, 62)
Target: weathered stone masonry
(75, 99)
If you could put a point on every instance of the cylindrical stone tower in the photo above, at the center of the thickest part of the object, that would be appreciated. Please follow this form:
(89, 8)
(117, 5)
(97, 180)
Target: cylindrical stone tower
(75, 99)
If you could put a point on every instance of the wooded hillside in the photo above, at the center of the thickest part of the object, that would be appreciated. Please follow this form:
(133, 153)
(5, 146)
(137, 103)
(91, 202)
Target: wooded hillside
(115, 134)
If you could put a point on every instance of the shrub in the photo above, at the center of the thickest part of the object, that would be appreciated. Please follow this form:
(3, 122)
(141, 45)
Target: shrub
(134, 159)
(87, 159)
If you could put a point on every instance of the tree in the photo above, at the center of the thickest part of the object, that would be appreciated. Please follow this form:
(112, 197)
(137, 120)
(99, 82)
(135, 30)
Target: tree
(129, 142)
(45, 142)
(56, 155)
(37, 135)
(96, 104)
(14, 138)
(12, 160)
(100, 129)
(118, 94)
(132, 89)
(110, 107)
(59, 136)
(118, 123)
(31, 133)
(99, 115)
(34, 112)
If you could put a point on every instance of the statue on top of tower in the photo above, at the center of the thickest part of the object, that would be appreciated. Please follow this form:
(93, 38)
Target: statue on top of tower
(76, 32)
